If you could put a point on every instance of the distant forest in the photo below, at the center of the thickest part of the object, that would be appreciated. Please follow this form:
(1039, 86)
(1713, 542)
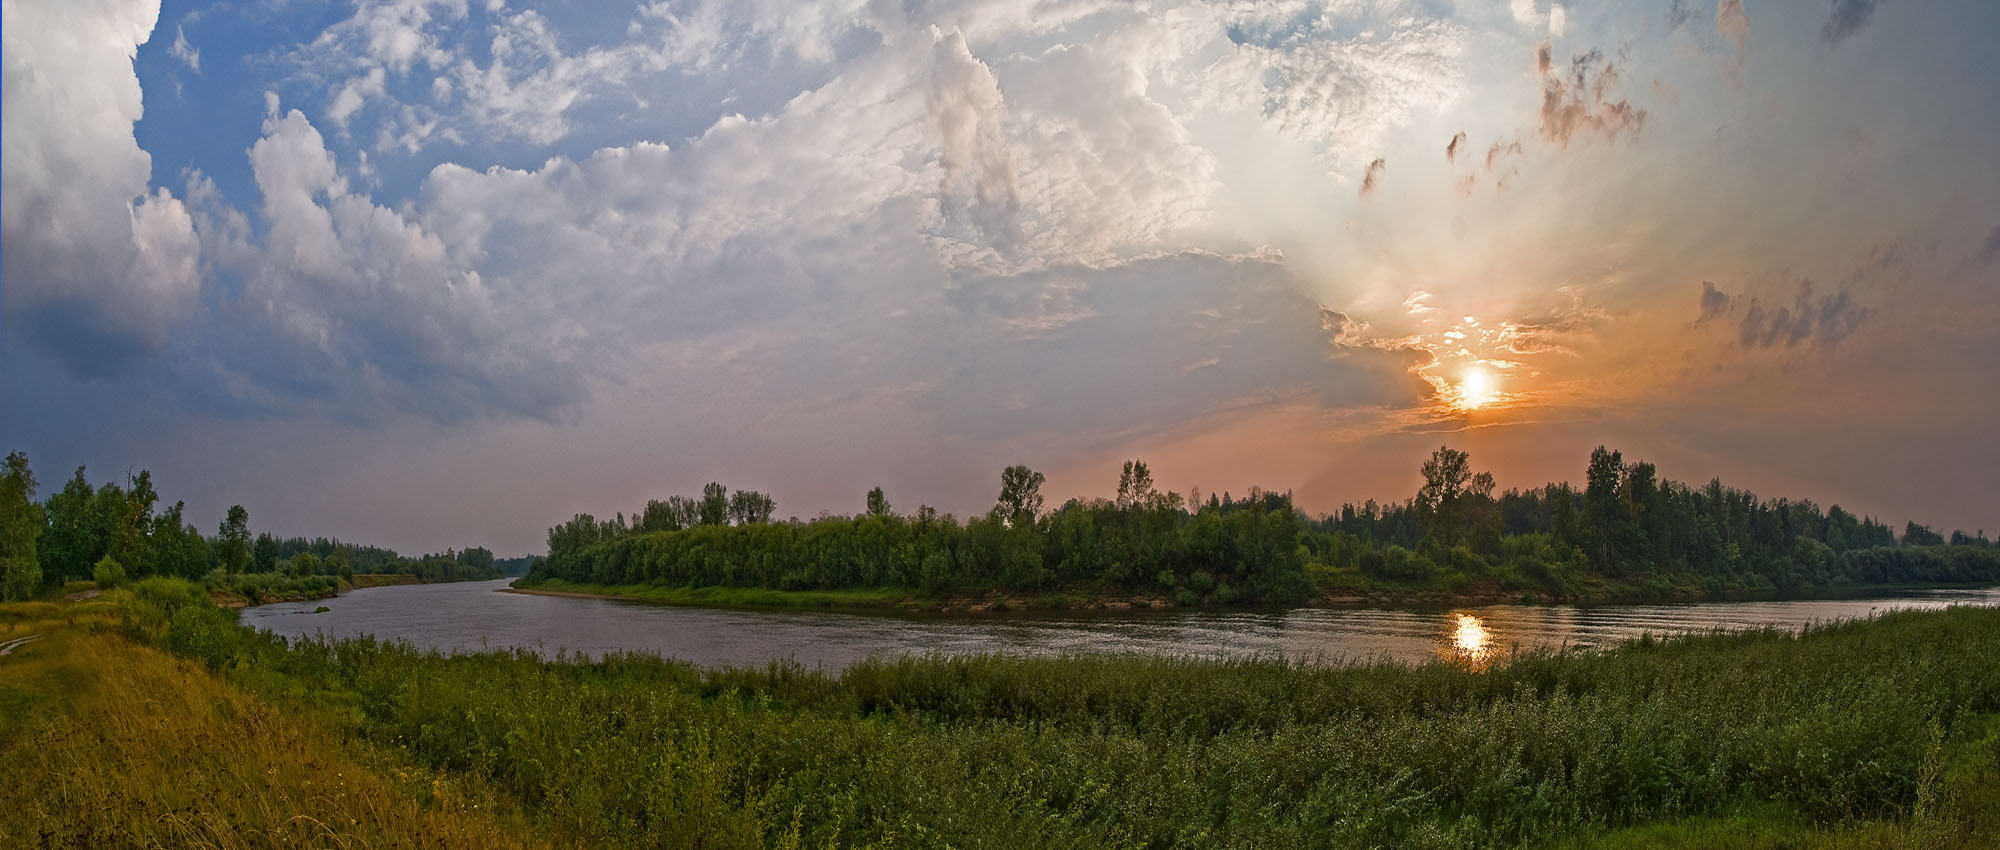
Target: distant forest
(1626, 533)
(113, 533)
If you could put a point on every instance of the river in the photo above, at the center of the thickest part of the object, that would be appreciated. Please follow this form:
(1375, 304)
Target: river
(470, 616)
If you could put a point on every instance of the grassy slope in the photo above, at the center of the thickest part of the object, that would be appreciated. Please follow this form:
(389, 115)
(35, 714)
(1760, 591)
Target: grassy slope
(107, 743)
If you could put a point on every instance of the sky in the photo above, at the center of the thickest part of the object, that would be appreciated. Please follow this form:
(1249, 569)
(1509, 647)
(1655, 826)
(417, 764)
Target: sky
(430, 273)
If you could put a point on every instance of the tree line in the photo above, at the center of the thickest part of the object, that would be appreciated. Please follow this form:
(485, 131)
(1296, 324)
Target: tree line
(1626, 529)
(114, 532)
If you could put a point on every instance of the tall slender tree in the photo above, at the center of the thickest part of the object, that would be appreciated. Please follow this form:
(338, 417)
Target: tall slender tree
(20, 526)
(234, 538)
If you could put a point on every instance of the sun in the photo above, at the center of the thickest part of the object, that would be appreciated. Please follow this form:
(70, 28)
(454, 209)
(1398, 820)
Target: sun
(1475, 389)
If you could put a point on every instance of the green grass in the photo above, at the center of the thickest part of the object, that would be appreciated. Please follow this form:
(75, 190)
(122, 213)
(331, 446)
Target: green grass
(1884, 733)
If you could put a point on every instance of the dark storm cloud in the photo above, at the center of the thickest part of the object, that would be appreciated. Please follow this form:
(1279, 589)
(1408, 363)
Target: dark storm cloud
(1847, 17)
(1451, 150)
(1374, 176)
(1821, 320)
(1576, 101)
(1714, 302)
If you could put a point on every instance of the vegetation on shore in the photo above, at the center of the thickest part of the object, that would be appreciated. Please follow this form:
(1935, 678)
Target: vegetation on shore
(1626, 535)
(1881, 733)
(111, 534)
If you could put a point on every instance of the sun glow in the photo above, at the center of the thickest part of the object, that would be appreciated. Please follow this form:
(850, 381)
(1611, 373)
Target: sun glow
(1476, 389)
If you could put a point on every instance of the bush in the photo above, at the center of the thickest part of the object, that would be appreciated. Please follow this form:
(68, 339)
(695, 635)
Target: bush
(204, 632)
(107, 574)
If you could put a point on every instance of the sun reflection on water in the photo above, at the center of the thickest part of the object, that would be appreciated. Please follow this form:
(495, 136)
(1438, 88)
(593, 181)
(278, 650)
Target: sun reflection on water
(1468, 641)
(1471, 634)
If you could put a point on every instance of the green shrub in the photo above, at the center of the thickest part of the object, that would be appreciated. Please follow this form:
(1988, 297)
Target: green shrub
(204, 632)
(107, 574)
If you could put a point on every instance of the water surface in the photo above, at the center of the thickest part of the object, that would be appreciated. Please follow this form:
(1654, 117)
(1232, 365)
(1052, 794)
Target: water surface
(480, 615)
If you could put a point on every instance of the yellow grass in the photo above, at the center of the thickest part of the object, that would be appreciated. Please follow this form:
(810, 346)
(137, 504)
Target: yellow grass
(105, 743)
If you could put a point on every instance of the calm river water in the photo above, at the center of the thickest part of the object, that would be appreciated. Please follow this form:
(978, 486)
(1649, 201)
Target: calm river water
(479, 615)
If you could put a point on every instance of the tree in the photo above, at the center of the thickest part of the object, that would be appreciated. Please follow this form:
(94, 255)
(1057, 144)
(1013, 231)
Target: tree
(747, 507)
(1135, 486)
(20, 525)
(714, 504)
(134, 547)
(661, 516)
(264, 554)
(234, 539)
(68, 547)
(1442, 499)
(304, 565)
(1601, 499)
(1918, 534)
(1020, 495)
(878, 504)
(340, 562)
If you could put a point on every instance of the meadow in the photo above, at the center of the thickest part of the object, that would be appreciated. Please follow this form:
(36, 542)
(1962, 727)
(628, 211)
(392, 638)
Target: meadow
(1882, 733)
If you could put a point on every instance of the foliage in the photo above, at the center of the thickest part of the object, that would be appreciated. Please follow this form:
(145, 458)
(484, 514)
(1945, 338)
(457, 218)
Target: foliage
(1628, 534)
(108, 573)
(80, 527)
(20, 525)
(1846, 724)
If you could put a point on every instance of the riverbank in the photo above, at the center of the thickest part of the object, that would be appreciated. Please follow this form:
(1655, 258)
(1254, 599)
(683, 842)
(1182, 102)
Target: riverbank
(1710, 741)
(1468, 595)
(266, 588)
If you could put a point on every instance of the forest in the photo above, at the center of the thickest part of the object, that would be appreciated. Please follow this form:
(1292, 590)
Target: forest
(113, 533)
(1627, 533)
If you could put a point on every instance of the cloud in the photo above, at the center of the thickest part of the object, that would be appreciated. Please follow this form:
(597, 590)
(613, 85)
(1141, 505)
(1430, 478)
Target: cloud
(1106, 354)
(1451, 150)
(1824, 321)
(1845, 18)
(1714, 302)
(1680, 14)
(1559, 330)
(1989, 251)
(100, 269)
(979, 174)
(1576, 101)
(1374, 176)
(1733, 22)
(1323, 85)
(1525, 13)
(1558, 20)
(182, 50)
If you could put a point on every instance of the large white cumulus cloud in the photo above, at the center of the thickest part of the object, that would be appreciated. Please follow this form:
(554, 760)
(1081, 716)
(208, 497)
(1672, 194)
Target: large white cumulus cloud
(852, 232)
(99, 268)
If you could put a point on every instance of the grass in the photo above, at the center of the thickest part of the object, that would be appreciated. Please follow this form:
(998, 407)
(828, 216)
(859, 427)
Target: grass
(108, 743)
(1884, 733)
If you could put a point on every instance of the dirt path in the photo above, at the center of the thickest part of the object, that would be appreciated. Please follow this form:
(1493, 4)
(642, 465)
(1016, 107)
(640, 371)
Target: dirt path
(8, 647)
